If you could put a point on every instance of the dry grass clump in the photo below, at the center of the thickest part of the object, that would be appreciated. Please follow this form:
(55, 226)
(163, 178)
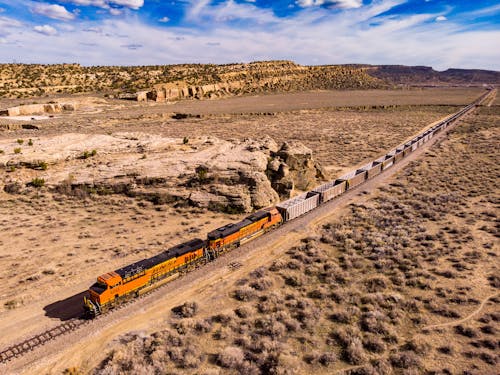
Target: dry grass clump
(186, 310)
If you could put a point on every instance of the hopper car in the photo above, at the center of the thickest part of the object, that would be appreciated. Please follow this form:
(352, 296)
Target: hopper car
(114, 287)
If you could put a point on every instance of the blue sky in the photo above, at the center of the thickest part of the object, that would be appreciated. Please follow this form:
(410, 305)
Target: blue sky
(438, 33)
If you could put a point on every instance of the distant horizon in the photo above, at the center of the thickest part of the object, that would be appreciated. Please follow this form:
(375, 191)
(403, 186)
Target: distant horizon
(250, 62)
(441, 34)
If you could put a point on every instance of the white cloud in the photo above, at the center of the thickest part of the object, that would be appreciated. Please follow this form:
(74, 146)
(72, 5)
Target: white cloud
(115, 12)
(6, 22)
(53, 11)
(440, 18)
(106, 4)
(46, 30)
(164, 19)
(132, 4)
(344, 4)
(311, 36)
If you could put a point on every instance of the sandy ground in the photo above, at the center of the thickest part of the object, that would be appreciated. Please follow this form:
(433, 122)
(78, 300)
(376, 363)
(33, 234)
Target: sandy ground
(206, 285)
(52, 247)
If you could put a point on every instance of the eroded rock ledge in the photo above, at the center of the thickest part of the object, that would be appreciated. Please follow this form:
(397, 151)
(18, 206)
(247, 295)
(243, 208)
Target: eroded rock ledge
(230, 176)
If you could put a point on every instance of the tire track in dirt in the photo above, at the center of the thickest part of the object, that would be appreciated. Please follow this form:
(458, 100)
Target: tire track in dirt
(463, 320)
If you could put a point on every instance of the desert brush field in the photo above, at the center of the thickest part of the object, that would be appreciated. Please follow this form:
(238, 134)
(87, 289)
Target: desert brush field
(404, 281)
(400, 279)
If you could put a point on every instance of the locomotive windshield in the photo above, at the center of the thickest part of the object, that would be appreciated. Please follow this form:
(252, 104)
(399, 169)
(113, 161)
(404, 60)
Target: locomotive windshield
(99, 287)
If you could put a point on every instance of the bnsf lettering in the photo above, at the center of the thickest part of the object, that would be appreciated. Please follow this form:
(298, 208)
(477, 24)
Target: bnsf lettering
(189, 258)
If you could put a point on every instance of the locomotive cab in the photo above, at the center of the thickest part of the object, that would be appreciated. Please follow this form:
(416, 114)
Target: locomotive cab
(101, 293)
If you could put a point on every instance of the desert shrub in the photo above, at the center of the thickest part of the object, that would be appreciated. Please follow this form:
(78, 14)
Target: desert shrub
(17, 150)
(346, 316)
(375, 322)
(203, 326)
(494, 281)
(488, 329)
(466, 331)
(220, 334)
(277, 265)
(354, 353)
(42, 165)
(488, 358)
(269, 326)
(447, 349)
(374, 344)
(231, 357)
(326, 359)
(344, 335)
(418, 347)
(262, 284)
(244, 294)
(13, 188)
(222, 318)
(37, 182)
(87, 154)
(186, 310)
(376, 284)
(20, 141)
(243, 312)
(405, 360)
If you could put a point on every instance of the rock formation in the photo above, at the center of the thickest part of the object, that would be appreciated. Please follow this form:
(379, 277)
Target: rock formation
(274, 76)
(230, 176)
(38, 109)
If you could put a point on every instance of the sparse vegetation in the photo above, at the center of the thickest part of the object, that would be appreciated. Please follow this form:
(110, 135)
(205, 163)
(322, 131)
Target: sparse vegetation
(17, 150)
(87, 154)
(363, 292)
(37, 182)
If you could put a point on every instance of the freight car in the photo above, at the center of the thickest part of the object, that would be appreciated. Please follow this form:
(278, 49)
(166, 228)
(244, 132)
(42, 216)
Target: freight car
(132, 280)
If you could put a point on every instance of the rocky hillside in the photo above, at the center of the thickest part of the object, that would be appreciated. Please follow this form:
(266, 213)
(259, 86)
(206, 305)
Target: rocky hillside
(425, 75)
(199, 81)
(190, 80)
(278, 76)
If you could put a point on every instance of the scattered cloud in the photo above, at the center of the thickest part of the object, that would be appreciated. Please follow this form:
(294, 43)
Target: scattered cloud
(46, 30)
(344, 4)
(106, 4)
(132, 46)
(115, 11)
(7, 22)
(132, 4)
(54, 11)
(222, 31)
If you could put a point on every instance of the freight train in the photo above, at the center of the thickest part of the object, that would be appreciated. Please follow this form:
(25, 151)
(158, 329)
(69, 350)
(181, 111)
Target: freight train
(114, 287)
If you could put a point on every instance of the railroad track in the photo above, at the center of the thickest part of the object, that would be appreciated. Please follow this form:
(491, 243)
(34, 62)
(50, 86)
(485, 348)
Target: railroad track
(76, 323)
(40, 339)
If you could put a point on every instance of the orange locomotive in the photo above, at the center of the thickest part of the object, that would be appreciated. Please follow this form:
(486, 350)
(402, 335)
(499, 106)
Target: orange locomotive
(235, 234)
(113, 287)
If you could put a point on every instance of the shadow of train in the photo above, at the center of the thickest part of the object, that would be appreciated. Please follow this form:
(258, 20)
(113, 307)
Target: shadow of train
(66, 309)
